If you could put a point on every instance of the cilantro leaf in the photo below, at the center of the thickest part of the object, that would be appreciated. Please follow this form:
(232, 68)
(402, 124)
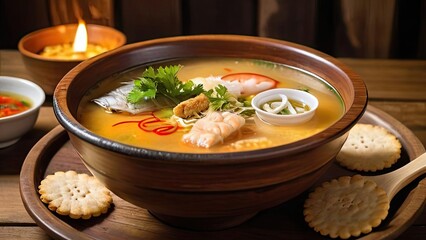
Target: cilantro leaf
(163, 82)
(220, 98)
(144, 88)
(136, 96)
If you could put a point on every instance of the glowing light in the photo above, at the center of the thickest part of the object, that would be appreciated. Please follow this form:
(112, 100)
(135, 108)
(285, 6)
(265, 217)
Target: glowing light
(80, 40)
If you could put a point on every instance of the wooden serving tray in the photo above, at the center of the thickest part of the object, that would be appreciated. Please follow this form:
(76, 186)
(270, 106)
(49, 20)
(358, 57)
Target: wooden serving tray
(54, 153)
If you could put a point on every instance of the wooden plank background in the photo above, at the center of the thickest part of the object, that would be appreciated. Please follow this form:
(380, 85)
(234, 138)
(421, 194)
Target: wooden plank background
(341, 28)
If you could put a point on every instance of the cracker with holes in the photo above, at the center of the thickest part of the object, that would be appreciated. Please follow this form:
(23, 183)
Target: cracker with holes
(345, 207)
(76, 195)
(369, 148)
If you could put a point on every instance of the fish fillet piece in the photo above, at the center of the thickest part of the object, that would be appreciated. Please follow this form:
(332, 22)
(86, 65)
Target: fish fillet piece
(116, 100)
(213, 128)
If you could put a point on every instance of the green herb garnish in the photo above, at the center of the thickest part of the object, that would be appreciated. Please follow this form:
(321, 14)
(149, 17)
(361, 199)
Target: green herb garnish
(285, 111)
(221, 100)
(163, 82)
(25, 103)
(305, 89)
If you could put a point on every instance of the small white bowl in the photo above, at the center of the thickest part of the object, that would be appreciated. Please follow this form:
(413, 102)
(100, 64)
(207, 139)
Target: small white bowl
(278, 119)
(13, 127)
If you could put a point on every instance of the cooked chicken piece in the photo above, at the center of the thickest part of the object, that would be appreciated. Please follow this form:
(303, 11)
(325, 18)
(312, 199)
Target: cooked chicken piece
(191, 106)
(213, 128)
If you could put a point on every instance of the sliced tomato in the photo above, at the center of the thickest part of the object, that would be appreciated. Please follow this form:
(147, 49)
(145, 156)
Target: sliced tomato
(252, 82)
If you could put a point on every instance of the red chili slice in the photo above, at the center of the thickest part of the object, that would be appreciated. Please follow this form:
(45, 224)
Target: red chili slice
(153, 124)
(166, 130)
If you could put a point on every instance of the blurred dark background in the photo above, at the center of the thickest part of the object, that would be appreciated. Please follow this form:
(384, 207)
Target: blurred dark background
(341, 28)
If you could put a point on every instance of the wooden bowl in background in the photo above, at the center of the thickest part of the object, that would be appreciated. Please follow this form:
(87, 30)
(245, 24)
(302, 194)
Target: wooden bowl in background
(47, 72)
(208, 191)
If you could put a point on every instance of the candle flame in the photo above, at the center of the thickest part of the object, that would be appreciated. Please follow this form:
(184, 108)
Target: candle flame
(80, 40)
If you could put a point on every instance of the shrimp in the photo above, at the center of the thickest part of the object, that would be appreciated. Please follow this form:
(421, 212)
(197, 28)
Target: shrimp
(238, 84)
(251, 83)
(234, 88)
(213, 128)
(116, 100)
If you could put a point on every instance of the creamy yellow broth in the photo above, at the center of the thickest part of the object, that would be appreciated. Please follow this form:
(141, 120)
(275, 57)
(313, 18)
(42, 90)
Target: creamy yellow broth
(253, 135)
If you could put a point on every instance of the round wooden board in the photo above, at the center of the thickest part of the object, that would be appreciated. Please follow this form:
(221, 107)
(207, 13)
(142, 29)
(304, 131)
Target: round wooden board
(125, 221)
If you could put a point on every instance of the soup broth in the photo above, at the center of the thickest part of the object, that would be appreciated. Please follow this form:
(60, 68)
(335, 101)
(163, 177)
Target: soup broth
(12, 103)
(254, 134)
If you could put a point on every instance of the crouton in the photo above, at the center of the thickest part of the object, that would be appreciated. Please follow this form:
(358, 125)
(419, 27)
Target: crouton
(192, 106)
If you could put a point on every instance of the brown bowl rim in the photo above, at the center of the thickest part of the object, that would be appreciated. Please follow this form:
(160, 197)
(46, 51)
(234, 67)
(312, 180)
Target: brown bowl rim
(352, 114)
(30, 54)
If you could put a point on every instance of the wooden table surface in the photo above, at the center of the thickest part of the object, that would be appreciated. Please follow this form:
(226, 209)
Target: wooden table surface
(397, 87)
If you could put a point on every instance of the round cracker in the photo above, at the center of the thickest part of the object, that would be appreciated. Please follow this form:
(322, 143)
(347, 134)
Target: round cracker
(369, 148)
(345, 207)
(76, 195)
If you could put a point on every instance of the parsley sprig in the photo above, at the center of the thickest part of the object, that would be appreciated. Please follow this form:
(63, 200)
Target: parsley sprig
(163, 82)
